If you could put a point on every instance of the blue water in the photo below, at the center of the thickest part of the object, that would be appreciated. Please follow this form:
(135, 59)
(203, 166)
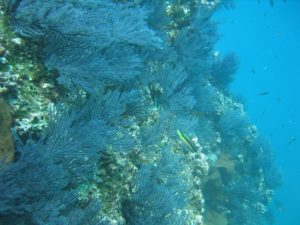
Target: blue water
(267, 41)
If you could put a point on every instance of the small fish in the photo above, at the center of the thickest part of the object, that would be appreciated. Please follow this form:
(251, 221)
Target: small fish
(186, 140)
(264, 93)
(272, 3)
(292, 140)
(216, 54)
(279, 206)
(253, 71)
(265, 68)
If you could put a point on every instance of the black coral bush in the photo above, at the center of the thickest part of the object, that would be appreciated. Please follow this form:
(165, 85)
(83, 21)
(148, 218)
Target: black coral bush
(89, 42)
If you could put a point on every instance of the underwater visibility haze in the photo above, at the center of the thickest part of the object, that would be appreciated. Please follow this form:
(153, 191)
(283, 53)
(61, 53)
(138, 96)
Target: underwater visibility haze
(266, 39)
(125, 112)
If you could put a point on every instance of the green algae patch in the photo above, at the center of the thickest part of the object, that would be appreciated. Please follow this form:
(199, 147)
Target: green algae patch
(7, 149)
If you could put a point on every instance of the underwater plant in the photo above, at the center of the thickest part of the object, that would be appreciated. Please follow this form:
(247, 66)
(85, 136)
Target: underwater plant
(223, 70)
(34, 191)
(87, 51)
(161, 194)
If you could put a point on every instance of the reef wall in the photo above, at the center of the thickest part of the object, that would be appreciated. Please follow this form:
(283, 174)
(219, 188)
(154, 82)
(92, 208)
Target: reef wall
(143, 129)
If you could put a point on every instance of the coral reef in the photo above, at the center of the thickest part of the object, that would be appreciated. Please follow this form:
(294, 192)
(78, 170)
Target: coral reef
(24, 82)
(142, 130)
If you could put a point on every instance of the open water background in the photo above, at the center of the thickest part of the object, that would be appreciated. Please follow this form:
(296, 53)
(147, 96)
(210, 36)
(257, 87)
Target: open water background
(267, 40)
